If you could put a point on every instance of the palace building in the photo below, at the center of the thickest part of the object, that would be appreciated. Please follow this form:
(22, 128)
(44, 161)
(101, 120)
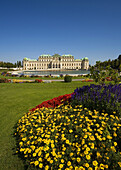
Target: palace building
(55, 62)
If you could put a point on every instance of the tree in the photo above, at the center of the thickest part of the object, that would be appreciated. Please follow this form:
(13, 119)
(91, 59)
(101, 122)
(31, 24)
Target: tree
(100, 75)
(119, 58)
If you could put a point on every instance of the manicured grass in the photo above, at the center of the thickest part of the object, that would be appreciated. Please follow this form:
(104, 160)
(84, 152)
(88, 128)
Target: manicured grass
(16, 100)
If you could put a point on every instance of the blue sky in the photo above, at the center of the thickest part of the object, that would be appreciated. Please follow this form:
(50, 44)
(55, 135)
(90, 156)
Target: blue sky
(83, 28)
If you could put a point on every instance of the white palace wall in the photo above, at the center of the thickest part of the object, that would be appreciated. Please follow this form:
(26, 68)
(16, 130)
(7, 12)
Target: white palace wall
(47, 62)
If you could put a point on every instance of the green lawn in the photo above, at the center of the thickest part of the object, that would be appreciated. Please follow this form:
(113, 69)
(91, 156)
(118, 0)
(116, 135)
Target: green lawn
(16, 100)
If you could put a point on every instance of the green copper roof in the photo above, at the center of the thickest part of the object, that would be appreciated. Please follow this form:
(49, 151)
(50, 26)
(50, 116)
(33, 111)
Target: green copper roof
(85, 58)
(28, 59)
(78, 60)
(67, 55)
(46, 55)
(25, 58)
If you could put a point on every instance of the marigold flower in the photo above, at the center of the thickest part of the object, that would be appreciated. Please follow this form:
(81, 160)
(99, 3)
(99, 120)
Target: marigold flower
(95, 163)
(88, 157)
(86, 165)
(119, 164)
(90, 168)
(109, 137)
(69, 163)
(36, 163)
(78, 159)
(61, 166)
(71, 154)
(46, 167)
(70, 130)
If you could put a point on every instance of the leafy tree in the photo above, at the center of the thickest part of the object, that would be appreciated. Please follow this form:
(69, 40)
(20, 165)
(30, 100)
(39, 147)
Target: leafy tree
(101, 75)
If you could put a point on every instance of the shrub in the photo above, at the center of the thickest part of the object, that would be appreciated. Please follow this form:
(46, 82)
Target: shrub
(68, 78)
(69, 138)
(4, 80)
(107, 97)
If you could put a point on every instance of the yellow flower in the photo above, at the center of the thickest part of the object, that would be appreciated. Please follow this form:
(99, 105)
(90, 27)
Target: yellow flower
(32, 146)
(24, 139)
(34, 154)
(86, 152)
(69, 163)
(52, 145)
(51, 161)
(102, 166)
(98, 154)
(85, 136)
(62, 160)
(61, 166)
(40, 165)
(114, 134)
(40, 159)
(109, 137)
(95, 163)
(113, 148)
(67, 141)
(106, 166)
(90, 168)
(36, 163)
(20, 143)
(39, 153)
(87, 165)
(78, 159)
(71, 154)
(70, 130)
(87, 149)
(96, 168)
(46, 167)
(91, 138)
(119, 164)
(48, 159)
(88, 157)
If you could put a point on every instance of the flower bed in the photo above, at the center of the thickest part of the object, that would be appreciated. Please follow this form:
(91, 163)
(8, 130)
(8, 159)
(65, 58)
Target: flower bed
(107, 97)
(69, 138)
(60, 134)
(4, 80)
(53, 102)
(38, 80)
(87, 80)
(21, 81)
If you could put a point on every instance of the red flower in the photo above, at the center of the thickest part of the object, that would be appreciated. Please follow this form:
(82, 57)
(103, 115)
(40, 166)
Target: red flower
(54, 102)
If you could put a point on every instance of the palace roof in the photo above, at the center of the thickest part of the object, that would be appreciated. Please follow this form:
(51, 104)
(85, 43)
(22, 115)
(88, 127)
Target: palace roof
(28, 59)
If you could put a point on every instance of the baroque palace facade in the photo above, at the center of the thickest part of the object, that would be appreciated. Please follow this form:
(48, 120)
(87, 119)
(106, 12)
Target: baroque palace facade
(55, 62)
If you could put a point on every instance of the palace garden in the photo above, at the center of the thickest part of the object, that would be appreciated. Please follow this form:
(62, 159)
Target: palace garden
(60, 125)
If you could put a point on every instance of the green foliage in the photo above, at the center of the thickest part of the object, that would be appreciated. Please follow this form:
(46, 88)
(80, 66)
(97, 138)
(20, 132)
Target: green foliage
(115, 64)
(101, 75)
(68, 78)
(10, 65)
